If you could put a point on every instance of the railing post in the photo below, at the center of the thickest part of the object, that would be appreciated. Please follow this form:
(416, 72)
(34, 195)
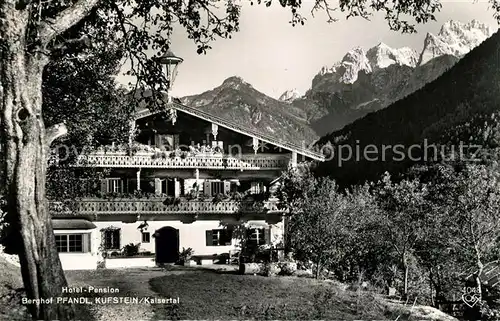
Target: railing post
(138, 177)
(293, 160)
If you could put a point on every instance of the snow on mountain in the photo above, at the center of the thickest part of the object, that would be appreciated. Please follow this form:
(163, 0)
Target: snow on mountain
(380, 56)
(363, 82)
(455, 38)
(290, 95)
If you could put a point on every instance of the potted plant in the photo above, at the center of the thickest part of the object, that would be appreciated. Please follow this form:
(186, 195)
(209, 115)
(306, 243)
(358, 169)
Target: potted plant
(185, 257)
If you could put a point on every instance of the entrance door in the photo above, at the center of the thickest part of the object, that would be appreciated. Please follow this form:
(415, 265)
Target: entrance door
(167, 245)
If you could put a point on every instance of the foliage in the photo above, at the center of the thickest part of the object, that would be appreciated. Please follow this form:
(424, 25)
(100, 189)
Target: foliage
(318, 227)
(186, 254)
(131, 249)
(402, 218)
(422, 234)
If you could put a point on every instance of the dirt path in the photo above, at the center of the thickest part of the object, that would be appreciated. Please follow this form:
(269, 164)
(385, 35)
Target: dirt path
(130, 282)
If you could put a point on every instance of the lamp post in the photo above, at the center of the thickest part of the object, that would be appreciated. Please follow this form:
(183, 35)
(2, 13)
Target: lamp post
(170, 63)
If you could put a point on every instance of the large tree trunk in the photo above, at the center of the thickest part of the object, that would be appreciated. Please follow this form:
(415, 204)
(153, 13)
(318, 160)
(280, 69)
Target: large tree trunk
(24, 148)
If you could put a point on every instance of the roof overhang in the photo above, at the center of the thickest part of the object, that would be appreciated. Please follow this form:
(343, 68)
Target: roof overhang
(72, 224)
(232, 126)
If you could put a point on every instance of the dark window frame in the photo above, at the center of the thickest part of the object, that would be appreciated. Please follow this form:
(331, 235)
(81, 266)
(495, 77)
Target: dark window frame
(222, 237)
(70, 243)
(114, 240)
(257, 236)
(146, 237)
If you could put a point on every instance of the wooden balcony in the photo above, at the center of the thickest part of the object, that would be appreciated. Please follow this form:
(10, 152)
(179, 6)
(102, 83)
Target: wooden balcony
(156, 206)
(152, 160)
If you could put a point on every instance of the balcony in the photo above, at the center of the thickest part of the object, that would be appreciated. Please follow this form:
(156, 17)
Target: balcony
(120, 159)
(156, 206)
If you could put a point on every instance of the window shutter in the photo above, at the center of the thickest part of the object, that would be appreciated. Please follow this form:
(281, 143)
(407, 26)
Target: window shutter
(229, 236)
(207, 188)
(176, 141)
(118, 239)
(209, 237)
(104, 185)
(131, 185)
(177, 187)
(267, 235)
(104, 240)
(86, 243)
(227, 187)
(158, 141)
(157, 186)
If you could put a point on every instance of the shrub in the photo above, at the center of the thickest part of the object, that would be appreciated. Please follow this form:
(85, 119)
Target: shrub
(131, 249)
(185, 255)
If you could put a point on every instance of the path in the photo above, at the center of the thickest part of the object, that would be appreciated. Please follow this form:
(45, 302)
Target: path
(130, 282)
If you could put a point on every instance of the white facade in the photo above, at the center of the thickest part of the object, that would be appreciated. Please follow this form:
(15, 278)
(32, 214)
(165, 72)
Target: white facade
(193, 235)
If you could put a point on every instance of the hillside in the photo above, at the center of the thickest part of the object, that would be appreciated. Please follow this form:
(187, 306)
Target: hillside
(459, 106)
(10, 290)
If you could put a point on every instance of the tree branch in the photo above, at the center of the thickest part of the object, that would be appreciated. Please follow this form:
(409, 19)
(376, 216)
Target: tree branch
(54, 132)
(67, 18)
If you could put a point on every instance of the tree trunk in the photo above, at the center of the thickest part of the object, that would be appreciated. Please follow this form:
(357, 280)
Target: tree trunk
(405, 280)
(480, 269)
(318, 267)
(24, 148)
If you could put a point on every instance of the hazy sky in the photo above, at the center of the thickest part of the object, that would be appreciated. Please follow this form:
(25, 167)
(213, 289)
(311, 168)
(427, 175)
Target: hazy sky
(273, 56)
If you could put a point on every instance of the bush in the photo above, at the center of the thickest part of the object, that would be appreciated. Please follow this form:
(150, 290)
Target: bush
(185, 255)
(131, 249)
(288, 268)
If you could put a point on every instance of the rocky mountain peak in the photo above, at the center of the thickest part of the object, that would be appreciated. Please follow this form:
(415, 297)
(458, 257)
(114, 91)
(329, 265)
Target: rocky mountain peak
(382, 56)
(454, 38)
(290, 95)
(234, 82)
(378, 57)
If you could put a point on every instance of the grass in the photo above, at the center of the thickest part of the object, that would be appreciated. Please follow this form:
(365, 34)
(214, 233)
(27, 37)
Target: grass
(211, 295)
(11, 293)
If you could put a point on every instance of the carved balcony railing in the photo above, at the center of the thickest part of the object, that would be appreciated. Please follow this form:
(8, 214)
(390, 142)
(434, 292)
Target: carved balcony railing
(96, 206)
(149, 160)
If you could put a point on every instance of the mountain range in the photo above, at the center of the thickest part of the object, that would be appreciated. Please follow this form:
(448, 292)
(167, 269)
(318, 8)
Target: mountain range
(367, 81)
(364, 81)
(238, 101)
(456, 114)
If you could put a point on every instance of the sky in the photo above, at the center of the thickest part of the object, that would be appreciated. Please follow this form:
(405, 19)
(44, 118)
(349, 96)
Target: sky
(274, 57)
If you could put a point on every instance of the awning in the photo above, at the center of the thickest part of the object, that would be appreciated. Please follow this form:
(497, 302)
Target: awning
(72, 224)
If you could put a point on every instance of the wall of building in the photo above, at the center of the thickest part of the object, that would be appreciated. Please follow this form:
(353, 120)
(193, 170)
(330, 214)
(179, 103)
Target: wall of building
(191, 235)
(81, 261)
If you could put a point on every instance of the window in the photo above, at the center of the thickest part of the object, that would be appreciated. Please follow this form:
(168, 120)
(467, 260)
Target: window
(146, 237)
(168, 141)
(111, 239)
(257, 236)
(256, 187)
(217, 188)
(212, 188)
(221, 237)
(69, 242)
(115, 185)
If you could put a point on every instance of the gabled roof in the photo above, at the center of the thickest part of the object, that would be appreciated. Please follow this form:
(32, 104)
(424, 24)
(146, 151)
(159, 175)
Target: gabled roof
(234, 127)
